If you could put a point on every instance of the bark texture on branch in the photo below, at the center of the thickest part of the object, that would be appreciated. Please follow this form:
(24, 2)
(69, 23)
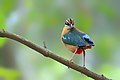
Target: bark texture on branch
(50, 54)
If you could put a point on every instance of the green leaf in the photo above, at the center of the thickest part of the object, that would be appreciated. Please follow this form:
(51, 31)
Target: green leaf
(2, 20)
(2, 41)
(8, 74)
(2, 26)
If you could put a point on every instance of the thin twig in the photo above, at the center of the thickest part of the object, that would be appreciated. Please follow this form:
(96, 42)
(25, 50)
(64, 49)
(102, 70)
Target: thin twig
(44, 44)
(52, 55)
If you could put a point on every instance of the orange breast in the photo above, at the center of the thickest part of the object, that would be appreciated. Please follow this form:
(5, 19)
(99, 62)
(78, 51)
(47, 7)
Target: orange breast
(71, 48)
(64, 31)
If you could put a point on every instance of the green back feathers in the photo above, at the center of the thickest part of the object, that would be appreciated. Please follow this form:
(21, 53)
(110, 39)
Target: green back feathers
(74, 37)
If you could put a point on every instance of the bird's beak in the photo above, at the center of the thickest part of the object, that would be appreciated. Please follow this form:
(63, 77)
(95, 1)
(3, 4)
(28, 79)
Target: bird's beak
(71, 25)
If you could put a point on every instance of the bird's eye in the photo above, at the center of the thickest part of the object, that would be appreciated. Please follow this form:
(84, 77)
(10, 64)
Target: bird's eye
(66, 23)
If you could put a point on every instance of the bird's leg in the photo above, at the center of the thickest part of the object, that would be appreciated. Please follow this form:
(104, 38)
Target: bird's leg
(73, 54)
(83, 57)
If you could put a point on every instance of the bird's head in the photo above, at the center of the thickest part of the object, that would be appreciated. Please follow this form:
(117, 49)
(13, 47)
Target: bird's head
(69, 23)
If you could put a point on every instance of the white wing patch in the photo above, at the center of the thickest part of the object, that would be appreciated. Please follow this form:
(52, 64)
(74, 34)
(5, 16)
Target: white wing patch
(64, 37)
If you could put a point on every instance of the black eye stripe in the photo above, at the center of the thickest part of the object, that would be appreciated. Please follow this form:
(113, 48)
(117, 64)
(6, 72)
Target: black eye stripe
(67, 23)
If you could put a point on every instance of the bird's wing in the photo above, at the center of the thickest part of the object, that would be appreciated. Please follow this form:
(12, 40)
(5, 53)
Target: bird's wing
(74, 38)
(87, 39)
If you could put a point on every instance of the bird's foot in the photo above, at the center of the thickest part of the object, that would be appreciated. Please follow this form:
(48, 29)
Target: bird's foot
(71, 61)
(84, 66)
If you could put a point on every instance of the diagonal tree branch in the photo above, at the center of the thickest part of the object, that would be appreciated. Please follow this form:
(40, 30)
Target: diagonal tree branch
(50, 54)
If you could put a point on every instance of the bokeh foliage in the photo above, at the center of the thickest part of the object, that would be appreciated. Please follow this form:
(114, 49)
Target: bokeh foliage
(43, 20)
(7, 74)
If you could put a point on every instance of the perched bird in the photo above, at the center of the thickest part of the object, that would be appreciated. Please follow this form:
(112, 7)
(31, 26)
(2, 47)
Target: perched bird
(74, 39)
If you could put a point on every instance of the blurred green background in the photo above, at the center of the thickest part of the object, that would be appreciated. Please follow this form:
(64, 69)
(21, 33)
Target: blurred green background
(43, 20)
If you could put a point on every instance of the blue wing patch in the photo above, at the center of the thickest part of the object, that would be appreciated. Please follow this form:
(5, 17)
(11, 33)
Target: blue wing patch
(87, 38)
